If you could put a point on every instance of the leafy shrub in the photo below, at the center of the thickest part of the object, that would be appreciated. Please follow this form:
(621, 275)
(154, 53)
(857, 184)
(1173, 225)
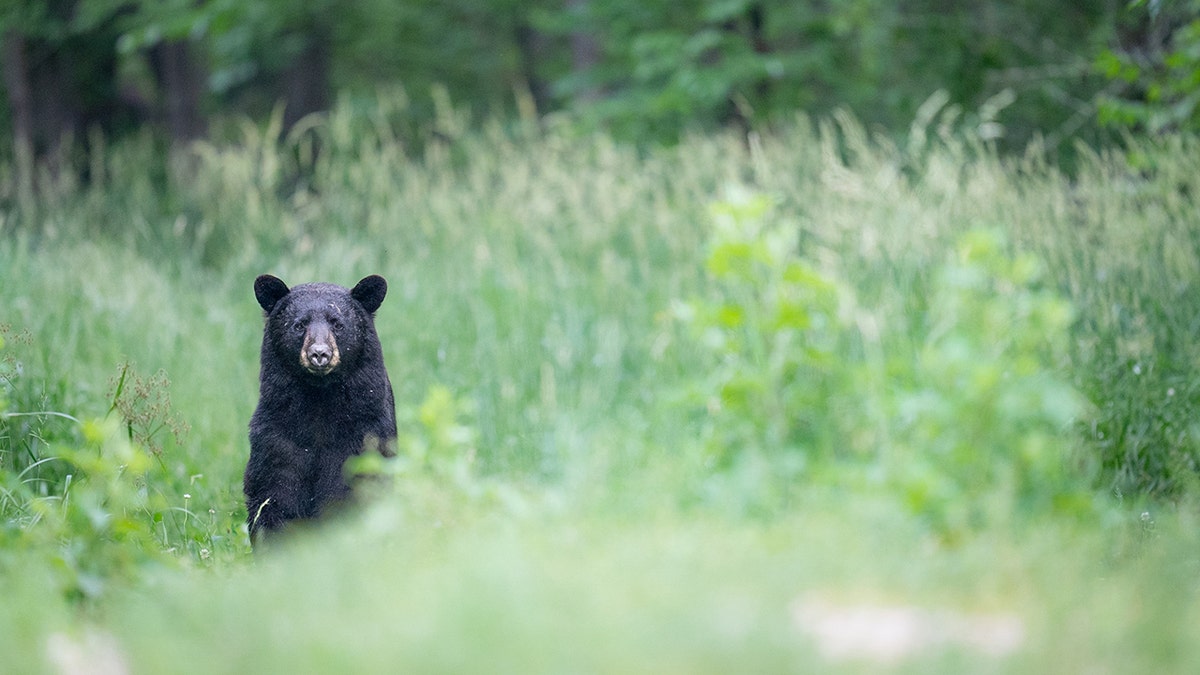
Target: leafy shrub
(981, 413)
(32, 426)
(960, 412)
(437, 440)
(771, 325)
(78, 502)
(1156, 86)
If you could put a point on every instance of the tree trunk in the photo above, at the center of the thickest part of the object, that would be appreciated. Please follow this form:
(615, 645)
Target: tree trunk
(20, 101)
(532, 46)
(182, 82)
(585, 48)
(306, 80)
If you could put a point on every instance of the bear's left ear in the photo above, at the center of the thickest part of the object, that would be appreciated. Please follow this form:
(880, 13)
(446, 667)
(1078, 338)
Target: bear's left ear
(370, 292)
(269, 291)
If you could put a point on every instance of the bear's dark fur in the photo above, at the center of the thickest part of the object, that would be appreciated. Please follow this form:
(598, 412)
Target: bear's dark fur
(324, 396)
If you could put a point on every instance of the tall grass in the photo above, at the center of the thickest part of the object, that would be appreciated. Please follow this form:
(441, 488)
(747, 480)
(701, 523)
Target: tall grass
(665, 393)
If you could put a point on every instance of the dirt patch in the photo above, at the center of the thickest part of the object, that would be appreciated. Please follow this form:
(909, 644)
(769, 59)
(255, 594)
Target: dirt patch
(892, 633)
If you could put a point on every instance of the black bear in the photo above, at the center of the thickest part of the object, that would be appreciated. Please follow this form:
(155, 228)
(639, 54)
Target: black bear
(324, 396)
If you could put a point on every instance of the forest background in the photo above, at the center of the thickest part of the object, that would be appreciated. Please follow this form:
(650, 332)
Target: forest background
(647, 72)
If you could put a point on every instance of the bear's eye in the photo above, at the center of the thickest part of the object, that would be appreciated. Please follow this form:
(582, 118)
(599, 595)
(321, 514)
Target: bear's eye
(298, 326)
(335, 323)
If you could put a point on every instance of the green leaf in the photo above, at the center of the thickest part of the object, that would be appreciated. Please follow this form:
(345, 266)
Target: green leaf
(730, 316)
(732, 259)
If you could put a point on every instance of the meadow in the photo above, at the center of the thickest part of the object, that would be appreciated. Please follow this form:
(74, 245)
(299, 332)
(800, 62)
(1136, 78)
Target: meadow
(808, 399)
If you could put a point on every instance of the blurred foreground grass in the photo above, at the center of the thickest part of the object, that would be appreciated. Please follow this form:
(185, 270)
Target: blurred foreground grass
(437, 586)
(804, 400)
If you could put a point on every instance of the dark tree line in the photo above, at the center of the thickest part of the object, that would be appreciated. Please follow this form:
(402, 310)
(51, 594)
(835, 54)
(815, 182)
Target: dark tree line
(645, 69)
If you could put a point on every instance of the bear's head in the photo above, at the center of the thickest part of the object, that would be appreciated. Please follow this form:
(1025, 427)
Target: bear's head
(319, 330)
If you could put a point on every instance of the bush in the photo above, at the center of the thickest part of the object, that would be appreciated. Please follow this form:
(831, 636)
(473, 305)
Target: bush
(961, 412)
(1155, 83)
(77, 497)
(981, 414)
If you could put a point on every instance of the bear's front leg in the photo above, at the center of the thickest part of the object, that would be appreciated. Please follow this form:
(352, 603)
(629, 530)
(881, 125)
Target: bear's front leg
(275, 486)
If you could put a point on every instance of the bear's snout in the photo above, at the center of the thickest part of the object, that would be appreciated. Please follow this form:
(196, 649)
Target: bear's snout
(319, 355)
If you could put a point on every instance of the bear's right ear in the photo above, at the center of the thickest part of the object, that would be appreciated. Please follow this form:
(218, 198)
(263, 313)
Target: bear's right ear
(269, 290)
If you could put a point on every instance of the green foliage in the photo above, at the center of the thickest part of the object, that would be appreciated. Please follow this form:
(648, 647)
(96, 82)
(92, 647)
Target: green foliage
(437, 440)
(647, 72)
(665, 68)
(28, 423)
(82, 499)
(98, 530)
(983, 413)
(446, 442)
(144, 405)
(93, 530)
(1156, 80)
(774, 333)
(6, 375)
(962, 410)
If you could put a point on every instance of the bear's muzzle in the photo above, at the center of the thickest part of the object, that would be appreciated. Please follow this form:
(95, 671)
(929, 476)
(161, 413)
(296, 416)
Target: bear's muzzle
(319, 354)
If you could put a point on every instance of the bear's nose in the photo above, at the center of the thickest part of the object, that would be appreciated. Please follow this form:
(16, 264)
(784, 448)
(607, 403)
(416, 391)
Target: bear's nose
(319, 355)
